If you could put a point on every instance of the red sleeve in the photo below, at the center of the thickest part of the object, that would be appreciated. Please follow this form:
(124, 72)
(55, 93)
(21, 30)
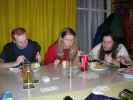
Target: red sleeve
(50, 55)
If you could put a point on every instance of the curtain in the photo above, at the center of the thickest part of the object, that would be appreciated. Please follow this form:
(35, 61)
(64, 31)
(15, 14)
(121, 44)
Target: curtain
(43, 19)
(90, 14)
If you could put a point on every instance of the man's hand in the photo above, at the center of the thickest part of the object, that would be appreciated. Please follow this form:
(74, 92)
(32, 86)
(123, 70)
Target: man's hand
(20, 59)
(38, 57)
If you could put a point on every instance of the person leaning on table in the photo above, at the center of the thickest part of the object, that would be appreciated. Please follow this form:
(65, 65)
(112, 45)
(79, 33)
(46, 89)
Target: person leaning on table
(19, 50)
(110, 51)
(64, 49)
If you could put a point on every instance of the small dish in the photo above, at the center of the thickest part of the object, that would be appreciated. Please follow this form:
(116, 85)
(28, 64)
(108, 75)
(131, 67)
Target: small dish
(98, 67)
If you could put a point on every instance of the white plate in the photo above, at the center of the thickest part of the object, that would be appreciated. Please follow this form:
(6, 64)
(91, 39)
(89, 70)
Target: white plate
(15, 70)
(93, 67)
(127, 76)
(124, 72)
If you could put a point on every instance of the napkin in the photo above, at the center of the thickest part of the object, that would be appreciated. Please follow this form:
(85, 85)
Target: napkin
(49, 89)
(100, 90)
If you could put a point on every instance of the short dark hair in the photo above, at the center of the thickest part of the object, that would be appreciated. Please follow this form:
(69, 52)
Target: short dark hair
(109, 34)
(66, 31)
(17, 31)
(68, 98)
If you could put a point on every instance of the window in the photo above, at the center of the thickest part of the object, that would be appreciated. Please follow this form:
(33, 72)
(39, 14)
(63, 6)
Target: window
(90, 14)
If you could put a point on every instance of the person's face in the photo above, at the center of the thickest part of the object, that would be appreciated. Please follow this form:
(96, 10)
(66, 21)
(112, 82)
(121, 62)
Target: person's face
(21, 41)
(68, 40)
(107, 43)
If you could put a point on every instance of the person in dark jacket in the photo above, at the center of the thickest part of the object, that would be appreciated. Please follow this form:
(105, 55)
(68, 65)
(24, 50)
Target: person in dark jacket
(19, 50)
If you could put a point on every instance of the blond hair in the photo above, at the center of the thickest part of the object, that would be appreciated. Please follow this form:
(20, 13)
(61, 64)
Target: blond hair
(73, 49)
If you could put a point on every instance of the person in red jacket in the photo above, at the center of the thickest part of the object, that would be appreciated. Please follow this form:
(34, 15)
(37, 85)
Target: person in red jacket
(65, 48)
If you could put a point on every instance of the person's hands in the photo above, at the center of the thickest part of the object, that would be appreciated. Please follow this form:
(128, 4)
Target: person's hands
(124, 60)
(56, 62)
(115, 62)
(80, 52)
(20, 59)
(38, 57)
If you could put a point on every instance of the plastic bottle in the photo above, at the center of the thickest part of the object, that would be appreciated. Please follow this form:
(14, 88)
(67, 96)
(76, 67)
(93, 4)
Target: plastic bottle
(7, 95)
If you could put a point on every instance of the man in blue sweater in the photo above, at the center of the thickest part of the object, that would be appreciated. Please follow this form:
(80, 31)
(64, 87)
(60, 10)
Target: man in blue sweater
(19, 50)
